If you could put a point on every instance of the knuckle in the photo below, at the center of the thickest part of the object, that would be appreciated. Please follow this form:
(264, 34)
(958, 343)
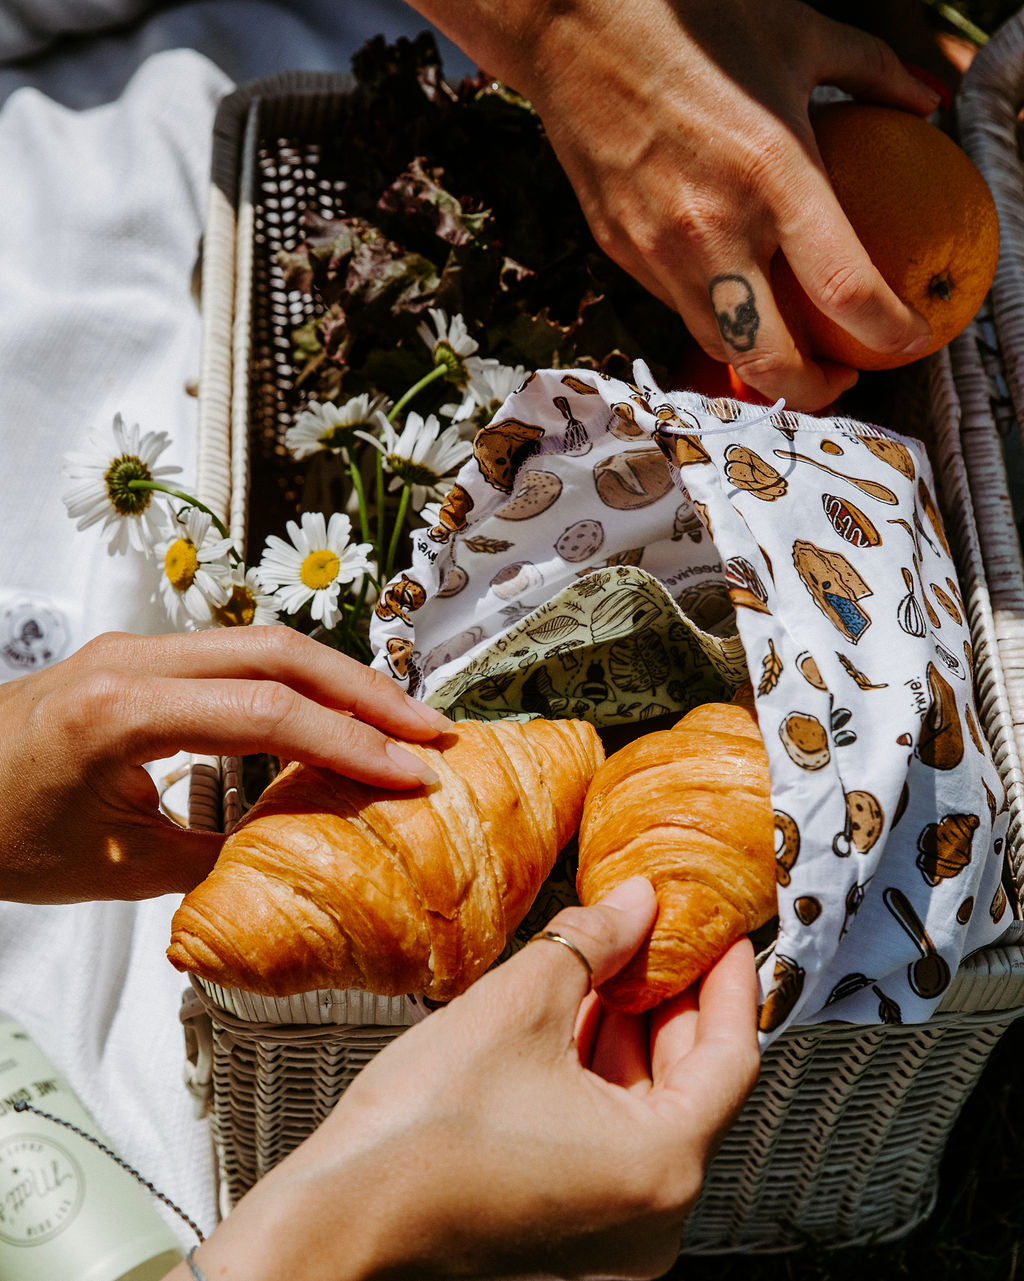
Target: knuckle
(100, 695)
(762, 367)
(106, 648)
(846, 291)
(269, 705)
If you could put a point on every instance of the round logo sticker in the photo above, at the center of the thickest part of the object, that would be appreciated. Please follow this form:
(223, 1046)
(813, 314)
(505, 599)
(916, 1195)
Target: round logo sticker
(41, 1189)
(32, 635)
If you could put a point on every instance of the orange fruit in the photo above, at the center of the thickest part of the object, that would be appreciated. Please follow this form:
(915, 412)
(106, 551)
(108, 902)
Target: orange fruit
(922, 211)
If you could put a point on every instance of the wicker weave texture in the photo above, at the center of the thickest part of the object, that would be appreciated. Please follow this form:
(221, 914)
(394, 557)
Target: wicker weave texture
(842, 1138)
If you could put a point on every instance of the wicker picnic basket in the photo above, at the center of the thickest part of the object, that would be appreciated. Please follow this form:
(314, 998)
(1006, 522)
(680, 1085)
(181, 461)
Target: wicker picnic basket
(841, 1140)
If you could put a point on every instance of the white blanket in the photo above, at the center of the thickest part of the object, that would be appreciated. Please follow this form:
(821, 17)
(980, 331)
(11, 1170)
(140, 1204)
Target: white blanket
(104, 152)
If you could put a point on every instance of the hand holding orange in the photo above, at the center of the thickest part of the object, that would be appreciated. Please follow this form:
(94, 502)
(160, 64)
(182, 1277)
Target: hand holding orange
(921, 210)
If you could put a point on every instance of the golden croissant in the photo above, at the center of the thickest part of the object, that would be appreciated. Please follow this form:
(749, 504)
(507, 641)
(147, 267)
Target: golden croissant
(331, 883)
(689, 809)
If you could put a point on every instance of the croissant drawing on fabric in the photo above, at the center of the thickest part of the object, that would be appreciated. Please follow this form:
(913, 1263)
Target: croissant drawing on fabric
(688, 808)
(331, 883)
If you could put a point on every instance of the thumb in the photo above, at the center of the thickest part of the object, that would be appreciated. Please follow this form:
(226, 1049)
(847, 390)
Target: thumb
(164, 858)
(590, 944)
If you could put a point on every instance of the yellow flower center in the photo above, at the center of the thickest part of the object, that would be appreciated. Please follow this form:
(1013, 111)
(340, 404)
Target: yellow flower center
(319, 569)
(238, 611)
(181, 563)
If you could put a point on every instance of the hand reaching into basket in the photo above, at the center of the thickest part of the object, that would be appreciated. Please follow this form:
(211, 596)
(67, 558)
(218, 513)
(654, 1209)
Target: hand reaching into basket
(684, 128)
(517, 1132)
(81, 814)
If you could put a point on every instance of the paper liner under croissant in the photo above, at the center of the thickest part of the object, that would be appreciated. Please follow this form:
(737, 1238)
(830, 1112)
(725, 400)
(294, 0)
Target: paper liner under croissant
(329, 883)
(690, 809)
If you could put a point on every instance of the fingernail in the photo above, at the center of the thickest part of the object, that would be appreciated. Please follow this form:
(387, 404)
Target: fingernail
(918, 345)
(410, 762)
(632, 893)
(430, 716)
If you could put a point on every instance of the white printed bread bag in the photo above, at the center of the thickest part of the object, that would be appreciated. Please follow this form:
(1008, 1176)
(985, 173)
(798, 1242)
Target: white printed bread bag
(616, 552)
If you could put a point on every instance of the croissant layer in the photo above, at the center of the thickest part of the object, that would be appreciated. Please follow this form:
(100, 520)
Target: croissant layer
(331, 883)
(690, 809)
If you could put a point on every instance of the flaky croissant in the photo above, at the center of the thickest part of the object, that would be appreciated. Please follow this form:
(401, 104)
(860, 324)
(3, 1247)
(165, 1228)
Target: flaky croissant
(688, 808)
(330, 883)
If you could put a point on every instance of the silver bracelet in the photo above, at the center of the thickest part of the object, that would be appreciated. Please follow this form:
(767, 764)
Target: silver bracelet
(193, 1265)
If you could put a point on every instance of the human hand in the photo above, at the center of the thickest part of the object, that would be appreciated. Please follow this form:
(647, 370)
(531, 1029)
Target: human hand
(80, 814)
(684, 128)
(517, 1132)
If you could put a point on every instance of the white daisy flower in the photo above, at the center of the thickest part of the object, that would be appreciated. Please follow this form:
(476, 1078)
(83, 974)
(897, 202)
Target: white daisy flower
(102, 488)
(248, 604)
(422, 456)
(450, 345)
(430, 514)
(313, 568)
(485, 393)
(332, 427)
(196, 568)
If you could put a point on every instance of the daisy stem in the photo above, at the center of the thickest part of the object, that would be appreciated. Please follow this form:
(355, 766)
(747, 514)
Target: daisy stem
(396, 533)
(380, 507)
(218, 524)
(364, 587)
(437, 372)
(357, 485)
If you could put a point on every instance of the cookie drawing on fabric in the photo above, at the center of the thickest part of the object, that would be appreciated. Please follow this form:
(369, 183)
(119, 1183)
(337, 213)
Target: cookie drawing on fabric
(749, 471)
(400, 599)
(864, 824)
(633, 479)
(944, 848)
(580, 540)
(805, 740)
(807, 909)
(501, 448)
(787, 846)
(835, 587)
(946, 602)
(891, 452)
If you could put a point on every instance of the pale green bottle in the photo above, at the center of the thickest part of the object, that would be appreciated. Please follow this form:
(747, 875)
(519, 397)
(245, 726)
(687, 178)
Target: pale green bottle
(68, 1211)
